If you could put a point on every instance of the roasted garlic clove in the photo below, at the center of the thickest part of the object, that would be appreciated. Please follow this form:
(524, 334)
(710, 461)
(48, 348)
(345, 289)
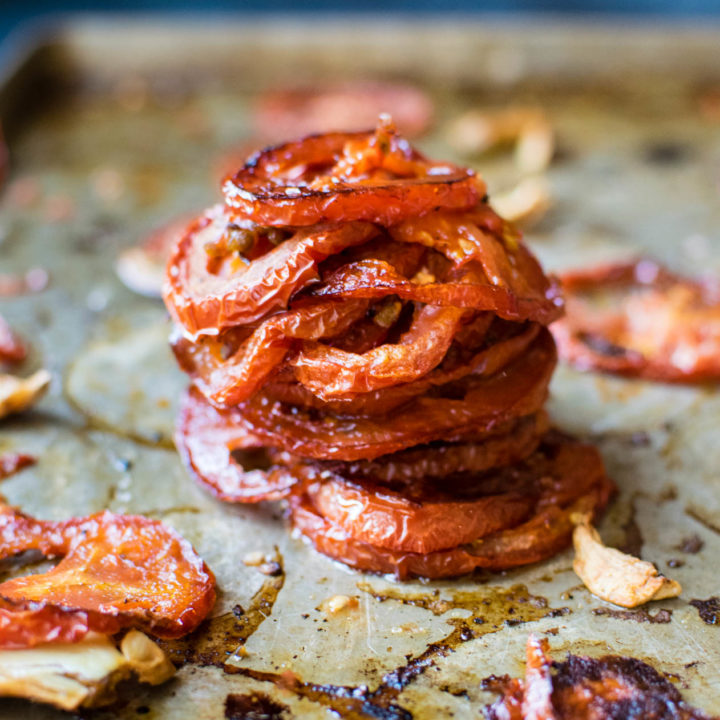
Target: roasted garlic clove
(615, 576)
(18, 394)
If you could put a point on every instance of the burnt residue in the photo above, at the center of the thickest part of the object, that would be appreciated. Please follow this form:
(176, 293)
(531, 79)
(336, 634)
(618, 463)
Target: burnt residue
(255, 706)
(692, 544)
(666, 153)
(708, 610)
(697, 515)
(633, 538)
(217, 639)
(605, 687)
(646, 693)
(491, 609)
(640, 615)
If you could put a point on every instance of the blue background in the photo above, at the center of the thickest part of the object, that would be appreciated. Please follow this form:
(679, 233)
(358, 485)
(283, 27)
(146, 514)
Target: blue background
(15, 12)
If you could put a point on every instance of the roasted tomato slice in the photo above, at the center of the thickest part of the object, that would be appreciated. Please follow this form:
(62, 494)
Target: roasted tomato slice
(471, 411)
(416, 518)
(513, 442)
(466, 287)
(570, 477)
(211, 445)
(342, 177)
(211, 287)
(350, 106)
(640, 320)
(229, 377)
(487, 360)
(116, 571)
(330, 372)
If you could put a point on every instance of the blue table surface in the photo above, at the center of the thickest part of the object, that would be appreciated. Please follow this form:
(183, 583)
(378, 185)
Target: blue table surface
(15, 13)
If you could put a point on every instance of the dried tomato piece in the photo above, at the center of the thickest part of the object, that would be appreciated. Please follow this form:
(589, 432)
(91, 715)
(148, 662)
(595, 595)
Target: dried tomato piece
(342, 177)
(230, 380)
(485, 362)
(209, 444)
(423, 522)
(116, 571)
(577, 467)
(513, 442)
(349, 106)
(12, 349)
(638, 319)
(40, 624)
(518, 390)
(241, 291)
(466, 287)
(329, 372)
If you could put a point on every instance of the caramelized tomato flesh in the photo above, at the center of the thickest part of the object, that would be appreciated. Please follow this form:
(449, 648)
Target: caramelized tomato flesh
(116, 571)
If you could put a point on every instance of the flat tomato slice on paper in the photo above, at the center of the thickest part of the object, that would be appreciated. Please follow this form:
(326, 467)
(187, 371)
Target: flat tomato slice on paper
(116, 571)
(640, 320)
(342, 177)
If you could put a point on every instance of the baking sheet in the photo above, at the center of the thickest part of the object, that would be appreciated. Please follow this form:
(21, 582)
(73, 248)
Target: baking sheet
(118, 126)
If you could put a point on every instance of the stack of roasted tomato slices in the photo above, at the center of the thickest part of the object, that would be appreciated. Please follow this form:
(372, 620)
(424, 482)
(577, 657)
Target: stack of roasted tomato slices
(368, 339)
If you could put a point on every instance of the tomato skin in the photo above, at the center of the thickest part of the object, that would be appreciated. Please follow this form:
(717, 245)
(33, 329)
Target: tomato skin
(518, 390)
(207, 440)
(662, 327)
(229, 381)
(344, 177)
(116, 571)
(466, 287)
(204, 302)
(577, 483)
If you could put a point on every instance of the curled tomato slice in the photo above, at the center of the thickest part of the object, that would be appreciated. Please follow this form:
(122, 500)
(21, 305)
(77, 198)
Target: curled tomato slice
(576, 467)
(210, 446)
(206, 300)
(513, 442)
(483, 363)
(116, 571)
(466, 287)
(342, 177)
(638, 319)
(230, 380)
(486, 402)
(330, 372)
(12, 349)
